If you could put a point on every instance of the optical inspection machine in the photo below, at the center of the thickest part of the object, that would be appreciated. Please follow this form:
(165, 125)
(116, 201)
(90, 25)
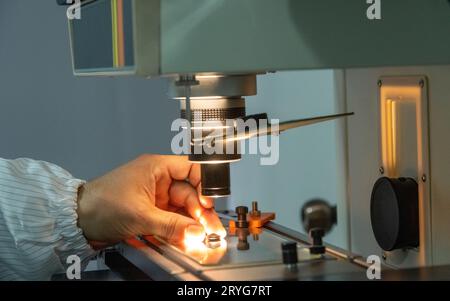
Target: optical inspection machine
(395, 77)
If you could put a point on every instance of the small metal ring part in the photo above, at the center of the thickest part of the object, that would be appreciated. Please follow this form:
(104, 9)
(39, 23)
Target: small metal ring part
(212, 240)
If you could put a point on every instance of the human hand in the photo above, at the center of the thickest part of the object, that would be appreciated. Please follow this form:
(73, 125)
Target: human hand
(145, 197)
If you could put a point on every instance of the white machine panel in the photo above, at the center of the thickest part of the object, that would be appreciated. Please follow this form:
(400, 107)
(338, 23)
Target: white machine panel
(364, 147)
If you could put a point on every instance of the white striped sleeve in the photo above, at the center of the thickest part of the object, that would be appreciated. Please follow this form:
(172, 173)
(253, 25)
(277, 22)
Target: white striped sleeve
(38, 220)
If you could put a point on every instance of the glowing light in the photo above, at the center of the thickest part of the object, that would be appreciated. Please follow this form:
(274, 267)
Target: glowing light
(218, 196)
(191, 240)
(393, 97)
(221, 232)
(204, 255)
(192, 237)
(202, 220)
(208, 229)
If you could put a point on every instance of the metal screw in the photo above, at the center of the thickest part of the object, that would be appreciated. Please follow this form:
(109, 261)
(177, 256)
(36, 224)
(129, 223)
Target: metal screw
(422, 83)
(255, 212)
(381, 170)
(380, 83)
(424, 178)
(242, 217)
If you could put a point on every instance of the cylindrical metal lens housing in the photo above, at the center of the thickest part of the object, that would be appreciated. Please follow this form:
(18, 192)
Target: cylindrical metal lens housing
(215, 179)
(213, 118)
(215, 103)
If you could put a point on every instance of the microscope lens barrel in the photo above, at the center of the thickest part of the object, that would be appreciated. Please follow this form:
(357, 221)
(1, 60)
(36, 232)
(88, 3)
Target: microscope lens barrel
(215, 179)
(216, 104)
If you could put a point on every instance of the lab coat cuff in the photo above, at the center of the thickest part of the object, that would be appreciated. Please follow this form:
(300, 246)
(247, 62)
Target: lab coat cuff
(72, 239)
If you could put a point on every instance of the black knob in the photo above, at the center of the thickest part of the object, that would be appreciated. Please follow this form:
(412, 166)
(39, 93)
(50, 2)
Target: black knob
(394, 213)
(318, 214)
(289, 250)
(241, 212)
(316, 235)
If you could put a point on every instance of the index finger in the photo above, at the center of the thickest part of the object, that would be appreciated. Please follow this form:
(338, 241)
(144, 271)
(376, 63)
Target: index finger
(182, 194)
(180, 168)
(172, 167)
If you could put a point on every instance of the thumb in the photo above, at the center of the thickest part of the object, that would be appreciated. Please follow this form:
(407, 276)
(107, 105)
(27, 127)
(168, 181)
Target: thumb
(172, 226)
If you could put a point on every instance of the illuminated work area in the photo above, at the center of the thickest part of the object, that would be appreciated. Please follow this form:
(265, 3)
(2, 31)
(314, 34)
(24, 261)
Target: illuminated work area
(308, 140)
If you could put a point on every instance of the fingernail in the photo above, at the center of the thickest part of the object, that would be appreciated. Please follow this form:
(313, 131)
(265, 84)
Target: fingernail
(205, 202)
